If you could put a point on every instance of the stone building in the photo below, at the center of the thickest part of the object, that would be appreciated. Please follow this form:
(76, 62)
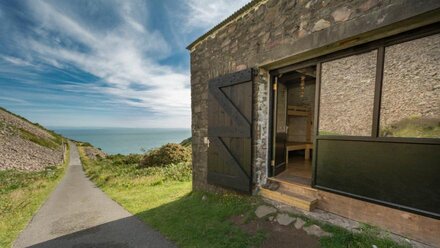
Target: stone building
(324, 104)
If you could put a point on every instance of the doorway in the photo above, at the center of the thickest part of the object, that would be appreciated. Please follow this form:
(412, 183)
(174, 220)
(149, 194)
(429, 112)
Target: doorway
(293, 109)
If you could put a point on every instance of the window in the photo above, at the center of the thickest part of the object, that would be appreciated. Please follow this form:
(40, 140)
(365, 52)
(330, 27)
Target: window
(410, 104)
(347, 95)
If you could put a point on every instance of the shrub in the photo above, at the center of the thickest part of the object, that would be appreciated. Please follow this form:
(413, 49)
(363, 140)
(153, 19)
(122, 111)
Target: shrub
(187, 142)
(165, 155)
(132, 158)
(124, 160)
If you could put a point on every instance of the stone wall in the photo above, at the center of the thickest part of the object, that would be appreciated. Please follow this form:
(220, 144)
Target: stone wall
(347, 95)
(411, 86)
(276, 29)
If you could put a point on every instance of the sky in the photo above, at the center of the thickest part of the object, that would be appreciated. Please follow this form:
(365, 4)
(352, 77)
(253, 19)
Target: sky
(102, 63)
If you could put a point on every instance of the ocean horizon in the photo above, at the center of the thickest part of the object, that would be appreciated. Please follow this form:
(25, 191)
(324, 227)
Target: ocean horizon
(125, 140)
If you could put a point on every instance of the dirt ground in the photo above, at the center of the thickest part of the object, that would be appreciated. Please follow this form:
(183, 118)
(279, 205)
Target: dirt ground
(277, 235)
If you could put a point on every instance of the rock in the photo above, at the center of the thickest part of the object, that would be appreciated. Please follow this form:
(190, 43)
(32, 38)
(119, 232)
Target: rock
(264, 210)
(341, 14)
(301, 33)
(374, 246)
(204, 198)
(271, 218)
(316, 231)
(321, 24)
(241, 67)
(284, 219)
(299, 223)
(368, 5)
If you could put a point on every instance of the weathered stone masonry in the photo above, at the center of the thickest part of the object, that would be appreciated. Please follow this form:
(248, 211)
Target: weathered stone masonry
(281, 30)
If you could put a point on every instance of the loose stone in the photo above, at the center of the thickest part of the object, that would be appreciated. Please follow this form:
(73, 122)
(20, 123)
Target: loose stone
(264, 210)
(284, 219)
(316, 231)
(299, 223)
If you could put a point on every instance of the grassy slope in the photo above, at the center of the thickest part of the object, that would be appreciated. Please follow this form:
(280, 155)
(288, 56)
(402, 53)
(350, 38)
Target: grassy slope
(413, 127)
(170, 207)
(54, 143)
(21, 195)
(197, 219)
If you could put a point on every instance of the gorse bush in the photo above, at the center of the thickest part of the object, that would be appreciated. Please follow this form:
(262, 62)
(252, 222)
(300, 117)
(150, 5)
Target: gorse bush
(130, 159)
(166, 155)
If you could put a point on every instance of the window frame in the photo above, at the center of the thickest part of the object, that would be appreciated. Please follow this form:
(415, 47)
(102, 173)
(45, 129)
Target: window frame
(374, 92)
(380, 46)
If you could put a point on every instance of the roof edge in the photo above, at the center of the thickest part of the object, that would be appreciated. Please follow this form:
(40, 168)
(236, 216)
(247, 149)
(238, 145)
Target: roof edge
(232, 17)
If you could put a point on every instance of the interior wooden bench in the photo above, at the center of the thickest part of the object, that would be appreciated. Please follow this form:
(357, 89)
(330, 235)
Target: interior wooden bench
(295, 146)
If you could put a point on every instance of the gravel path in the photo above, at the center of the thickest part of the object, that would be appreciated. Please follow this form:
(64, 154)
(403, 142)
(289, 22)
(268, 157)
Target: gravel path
(78, 214)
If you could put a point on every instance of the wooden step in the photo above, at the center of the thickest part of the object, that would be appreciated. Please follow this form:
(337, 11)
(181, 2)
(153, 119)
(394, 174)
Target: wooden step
(289, 198)
(299, 189)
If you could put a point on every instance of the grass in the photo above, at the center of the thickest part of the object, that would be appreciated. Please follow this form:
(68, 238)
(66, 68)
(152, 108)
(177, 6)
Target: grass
(164, 200)
(49, 143)
(162, 197)
(366, 237)
(414, 127)
(21, 195)
(323, 132)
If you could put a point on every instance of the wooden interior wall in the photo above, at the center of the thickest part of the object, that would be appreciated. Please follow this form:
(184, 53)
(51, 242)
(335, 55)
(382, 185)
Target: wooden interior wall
(297, 125)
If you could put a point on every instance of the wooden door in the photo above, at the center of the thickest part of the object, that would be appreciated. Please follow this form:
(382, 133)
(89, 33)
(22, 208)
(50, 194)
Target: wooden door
(279, 128)
(230, 103)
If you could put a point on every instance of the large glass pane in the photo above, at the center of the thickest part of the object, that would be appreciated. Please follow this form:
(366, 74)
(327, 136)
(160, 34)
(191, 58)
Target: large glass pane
(347, 95)
(411, 89)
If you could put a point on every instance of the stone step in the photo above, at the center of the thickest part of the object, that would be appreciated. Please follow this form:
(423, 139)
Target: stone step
(289, 198)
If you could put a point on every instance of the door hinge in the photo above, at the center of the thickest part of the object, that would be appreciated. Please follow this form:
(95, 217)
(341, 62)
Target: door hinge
(272, 163)
(275, 84)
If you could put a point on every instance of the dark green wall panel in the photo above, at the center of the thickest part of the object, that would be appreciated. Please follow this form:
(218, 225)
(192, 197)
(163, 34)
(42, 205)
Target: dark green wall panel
(401, 174)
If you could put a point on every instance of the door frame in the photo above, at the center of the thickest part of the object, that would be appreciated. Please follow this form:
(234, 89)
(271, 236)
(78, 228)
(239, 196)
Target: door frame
(273, 74)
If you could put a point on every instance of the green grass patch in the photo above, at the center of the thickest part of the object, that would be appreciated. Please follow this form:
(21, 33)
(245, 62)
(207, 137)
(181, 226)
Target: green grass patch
(414, 127)
(367, 237)
(49, 143)
(162, 197)
(21, 195)
(323, 132)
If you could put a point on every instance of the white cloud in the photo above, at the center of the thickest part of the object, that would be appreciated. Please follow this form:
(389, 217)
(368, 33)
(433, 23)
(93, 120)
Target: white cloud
(10, 99)
(207, 13)
(125, 54)
(16, 61)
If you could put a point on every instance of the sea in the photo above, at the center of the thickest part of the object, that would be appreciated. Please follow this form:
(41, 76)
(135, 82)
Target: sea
(125, 140)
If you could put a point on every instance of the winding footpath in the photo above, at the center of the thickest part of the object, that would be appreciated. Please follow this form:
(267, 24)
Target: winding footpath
(78, 214)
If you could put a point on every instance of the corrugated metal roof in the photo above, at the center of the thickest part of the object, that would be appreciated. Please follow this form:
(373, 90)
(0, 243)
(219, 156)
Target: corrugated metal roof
(224, 22)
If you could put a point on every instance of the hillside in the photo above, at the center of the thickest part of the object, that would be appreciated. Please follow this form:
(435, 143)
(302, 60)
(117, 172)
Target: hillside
(27, 146)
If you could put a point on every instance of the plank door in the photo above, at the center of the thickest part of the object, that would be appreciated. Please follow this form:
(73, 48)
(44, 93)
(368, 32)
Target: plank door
(279, 128)
(230, 130)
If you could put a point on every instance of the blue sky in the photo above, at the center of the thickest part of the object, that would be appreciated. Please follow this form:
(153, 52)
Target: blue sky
(102, 63)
